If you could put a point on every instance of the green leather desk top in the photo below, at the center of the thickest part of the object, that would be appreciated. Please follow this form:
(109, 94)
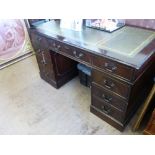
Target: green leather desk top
(128, 41)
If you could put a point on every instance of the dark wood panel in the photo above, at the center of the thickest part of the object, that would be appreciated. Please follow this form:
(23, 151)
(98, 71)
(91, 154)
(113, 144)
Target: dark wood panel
(39, 42)
(34, 41)
(63, 65)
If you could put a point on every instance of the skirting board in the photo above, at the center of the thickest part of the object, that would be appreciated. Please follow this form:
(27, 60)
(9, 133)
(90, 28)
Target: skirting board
(16, 60)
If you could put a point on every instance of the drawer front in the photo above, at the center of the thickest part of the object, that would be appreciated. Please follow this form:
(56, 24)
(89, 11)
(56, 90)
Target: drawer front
(76, 53)
(109, 98)
(54, 45)
(107, 109)
(111, 84)
(39, 42)
(113, 67)
(35, 41)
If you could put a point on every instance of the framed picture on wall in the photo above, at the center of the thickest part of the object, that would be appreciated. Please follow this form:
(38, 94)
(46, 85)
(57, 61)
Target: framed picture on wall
(14, 41)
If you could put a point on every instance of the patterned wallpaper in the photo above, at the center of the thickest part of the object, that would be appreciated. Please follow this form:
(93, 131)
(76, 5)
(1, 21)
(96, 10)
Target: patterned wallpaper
(146, 23)
(14, 39)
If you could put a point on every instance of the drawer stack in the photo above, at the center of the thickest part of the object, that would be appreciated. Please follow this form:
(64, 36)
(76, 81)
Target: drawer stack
(111, 91)
(117, 91)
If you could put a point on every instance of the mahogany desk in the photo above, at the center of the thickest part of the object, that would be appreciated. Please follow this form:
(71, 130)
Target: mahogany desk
(122, 63)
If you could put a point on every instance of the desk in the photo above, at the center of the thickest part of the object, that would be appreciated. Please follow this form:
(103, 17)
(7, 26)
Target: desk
(122, 65)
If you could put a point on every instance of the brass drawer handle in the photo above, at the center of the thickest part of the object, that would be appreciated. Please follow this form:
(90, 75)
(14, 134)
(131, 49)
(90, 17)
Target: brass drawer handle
(106, 99)
(109, 86)
(57, 48)
(105, 110)
(110, 68)
(43, 61)
(77, 56)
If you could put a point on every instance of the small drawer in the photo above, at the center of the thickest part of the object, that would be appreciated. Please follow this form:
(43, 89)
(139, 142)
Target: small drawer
(78, 54)
(39, 42)
(54, 45)
(111, 84)
(113, 67)
(107, 109)
(81, 54)
(109, 98)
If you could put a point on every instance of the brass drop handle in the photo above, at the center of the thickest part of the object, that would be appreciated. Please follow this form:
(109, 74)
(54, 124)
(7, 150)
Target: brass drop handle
(109, 86)
(43, 60)
(105, 110)
(77, 56)
(109, 68)
(57, 48)
(106, 99)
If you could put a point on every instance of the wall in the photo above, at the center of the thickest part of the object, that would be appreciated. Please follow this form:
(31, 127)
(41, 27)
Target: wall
(146, 23)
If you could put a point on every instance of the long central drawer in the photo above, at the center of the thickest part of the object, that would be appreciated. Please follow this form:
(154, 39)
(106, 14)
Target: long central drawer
(70, 51)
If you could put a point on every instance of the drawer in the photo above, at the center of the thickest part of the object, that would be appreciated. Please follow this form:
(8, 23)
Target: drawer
(120, 88)
(107, 109)
(38, 42)
(54, 45)
(113, 67)
(109, 98)
(76, 53)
